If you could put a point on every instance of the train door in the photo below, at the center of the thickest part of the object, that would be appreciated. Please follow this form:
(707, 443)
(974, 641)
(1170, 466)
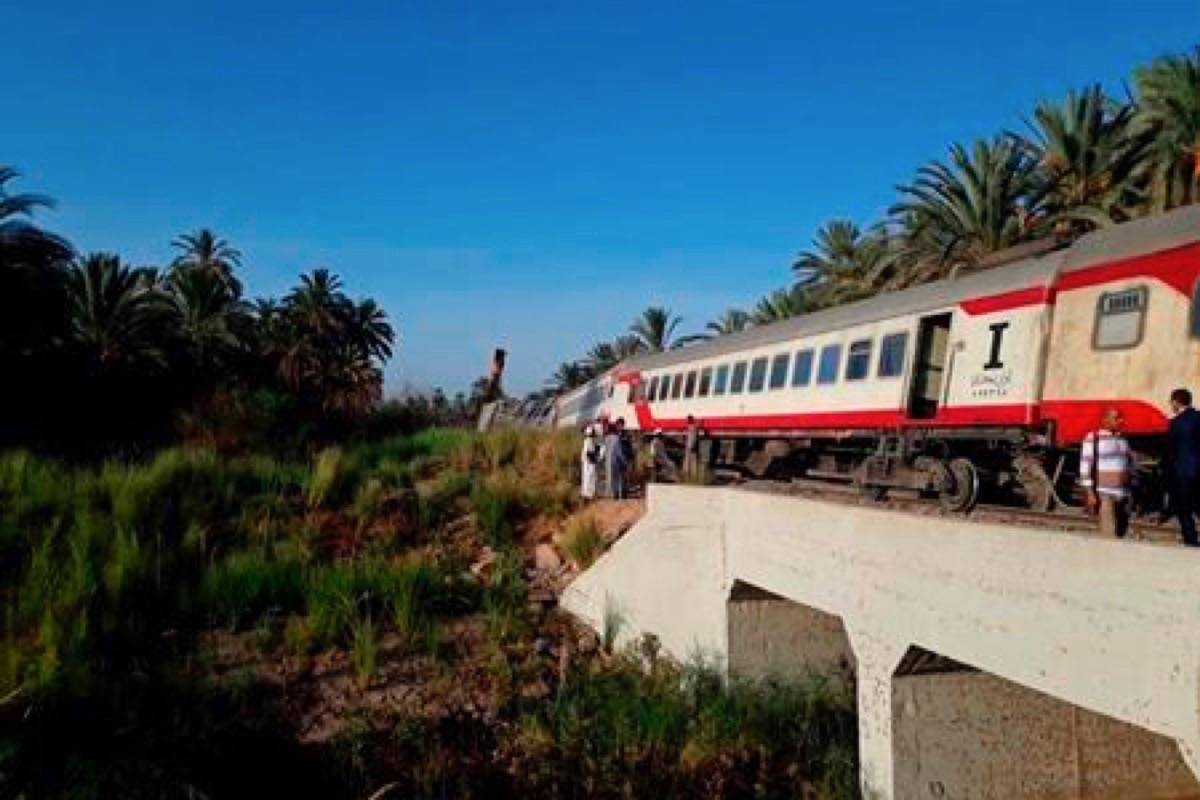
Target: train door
(929, 366)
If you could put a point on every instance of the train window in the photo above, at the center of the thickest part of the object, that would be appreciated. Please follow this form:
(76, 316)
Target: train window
(758, 374)
(705, 381)
(738, 381)
(1119, 319)
(831, 358)
(858, 360)
(689, 386)
(652, 392)
(802, 369)
(676, 385)
(891, 355)
(722, 379)
(779, 367)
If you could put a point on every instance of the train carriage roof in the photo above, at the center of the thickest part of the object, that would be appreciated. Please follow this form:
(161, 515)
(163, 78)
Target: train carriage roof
(1147, 235)
(930, 297)
(1160, 232)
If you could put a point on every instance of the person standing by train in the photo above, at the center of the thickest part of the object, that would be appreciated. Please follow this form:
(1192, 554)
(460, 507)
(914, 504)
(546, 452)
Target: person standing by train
(615, 462)
(1106, 471)
(1183, 463)
(661, 465)
(589, 462)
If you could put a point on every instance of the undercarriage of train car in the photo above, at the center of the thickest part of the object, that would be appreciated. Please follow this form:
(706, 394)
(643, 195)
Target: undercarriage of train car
(959, 468)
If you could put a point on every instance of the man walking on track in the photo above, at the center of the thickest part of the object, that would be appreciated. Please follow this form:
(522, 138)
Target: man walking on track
(1183, 463)
(1106, 470)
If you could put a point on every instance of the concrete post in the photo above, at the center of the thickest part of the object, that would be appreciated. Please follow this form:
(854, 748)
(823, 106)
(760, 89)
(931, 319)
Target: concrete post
(877, 658)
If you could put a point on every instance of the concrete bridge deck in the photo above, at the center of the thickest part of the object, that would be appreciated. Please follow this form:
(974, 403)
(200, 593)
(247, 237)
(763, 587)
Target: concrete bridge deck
(1109, 627)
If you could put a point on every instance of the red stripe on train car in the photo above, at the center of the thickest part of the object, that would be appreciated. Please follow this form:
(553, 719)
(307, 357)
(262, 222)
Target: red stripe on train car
(1075, 419)
(1178, 268)
(989, 415)
(1006, 301)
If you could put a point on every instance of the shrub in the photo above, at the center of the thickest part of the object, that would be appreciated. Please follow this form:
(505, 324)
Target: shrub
(583, 540)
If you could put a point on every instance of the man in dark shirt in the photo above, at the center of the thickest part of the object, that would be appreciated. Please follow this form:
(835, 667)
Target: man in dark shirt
(1183, 463)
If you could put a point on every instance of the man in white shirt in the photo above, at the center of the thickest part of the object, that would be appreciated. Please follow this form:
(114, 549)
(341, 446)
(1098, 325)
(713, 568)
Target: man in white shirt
(1106, 471)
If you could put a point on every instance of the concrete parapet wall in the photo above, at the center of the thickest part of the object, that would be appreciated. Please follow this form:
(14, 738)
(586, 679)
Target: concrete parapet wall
(1110, 626)
(665, 577)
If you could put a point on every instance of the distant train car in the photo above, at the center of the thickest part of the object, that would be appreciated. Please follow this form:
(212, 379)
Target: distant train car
(991, 379)
(585, 404)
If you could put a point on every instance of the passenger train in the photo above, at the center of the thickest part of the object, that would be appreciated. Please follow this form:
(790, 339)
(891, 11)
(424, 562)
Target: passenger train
(984, 382)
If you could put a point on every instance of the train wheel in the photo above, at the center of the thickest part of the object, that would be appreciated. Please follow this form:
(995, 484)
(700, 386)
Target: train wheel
(940, 479)
(963, 491)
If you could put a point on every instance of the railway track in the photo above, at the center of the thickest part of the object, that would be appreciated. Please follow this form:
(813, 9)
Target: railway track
(1069, 520)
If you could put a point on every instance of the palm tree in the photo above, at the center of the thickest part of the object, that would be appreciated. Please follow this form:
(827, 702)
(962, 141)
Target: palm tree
(606, 355)
(115, 314)
(1168, 103)
(325, 346)
(210, 323)
(782, 304)
(318, 302)
(369, 331)
(19, 237)
(845, 263)
(204, 250)
(655, 329)
(1092, 161)
(732, 320)
(601, 358)
(953, 215)
(32, 275)
(568, 375)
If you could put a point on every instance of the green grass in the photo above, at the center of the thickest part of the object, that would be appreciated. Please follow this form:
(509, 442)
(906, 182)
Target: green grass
(657, 729)
(110, 574)
(364, 647)
(438, 504)
(335, 477)
(583, 540)
(247, 586)
(497, 510)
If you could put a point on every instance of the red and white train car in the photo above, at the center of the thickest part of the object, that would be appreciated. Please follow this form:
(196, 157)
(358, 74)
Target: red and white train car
(989, 378)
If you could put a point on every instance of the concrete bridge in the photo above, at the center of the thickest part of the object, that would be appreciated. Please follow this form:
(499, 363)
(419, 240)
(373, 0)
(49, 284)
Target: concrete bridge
(989, 660)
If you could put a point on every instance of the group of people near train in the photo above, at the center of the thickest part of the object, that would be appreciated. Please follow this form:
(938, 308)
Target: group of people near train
(1108, 470)
(609, 458)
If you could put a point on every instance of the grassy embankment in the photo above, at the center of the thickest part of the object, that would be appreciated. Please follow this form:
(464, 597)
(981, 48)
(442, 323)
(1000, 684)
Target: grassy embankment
(199, 626)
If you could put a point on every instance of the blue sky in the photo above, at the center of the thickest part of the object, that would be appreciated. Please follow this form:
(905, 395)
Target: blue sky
(524, 174)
